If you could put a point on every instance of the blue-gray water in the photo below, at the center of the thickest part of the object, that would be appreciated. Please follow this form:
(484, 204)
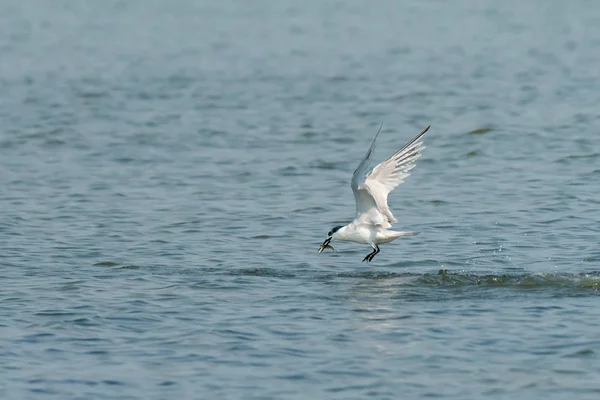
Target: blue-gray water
(168, 170)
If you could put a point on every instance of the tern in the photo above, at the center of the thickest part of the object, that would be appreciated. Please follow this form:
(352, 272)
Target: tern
(373, 216)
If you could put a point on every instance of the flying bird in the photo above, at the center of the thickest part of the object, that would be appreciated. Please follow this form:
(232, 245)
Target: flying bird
(373, 216)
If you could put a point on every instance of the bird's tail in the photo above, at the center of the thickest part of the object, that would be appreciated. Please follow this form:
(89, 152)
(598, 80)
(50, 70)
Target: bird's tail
(397, 234)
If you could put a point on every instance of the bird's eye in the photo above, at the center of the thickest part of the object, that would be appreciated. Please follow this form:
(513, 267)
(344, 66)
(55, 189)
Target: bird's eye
(329, 233)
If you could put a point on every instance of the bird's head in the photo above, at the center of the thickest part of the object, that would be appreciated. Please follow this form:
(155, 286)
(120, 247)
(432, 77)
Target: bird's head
(330, 236)
(334, 230)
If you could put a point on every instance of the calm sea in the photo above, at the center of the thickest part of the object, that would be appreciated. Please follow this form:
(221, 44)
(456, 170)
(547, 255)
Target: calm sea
(169, 168)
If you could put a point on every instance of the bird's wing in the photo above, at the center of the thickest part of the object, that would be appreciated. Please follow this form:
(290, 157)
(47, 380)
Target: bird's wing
(366, 208)
(367, 211)
(359, 173)
(386, 176)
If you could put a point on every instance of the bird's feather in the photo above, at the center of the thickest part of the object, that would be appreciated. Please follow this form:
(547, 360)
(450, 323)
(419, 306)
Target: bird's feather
(371, 192)
(359, 173)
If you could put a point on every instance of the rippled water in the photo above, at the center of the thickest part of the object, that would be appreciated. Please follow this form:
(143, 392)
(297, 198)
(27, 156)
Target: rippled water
(170, 168)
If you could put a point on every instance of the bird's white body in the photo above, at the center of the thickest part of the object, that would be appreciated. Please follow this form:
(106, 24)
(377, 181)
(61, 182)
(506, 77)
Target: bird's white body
(373, 215)
(367, 234)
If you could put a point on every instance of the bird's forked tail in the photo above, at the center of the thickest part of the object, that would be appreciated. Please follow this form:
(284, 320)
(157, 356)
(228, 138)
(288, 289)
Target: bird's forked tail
(397, 234)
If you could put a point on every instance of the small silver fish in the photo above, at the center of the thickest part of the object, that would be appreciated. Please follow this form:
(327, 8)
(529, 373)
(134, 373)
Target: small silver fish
(328, 246)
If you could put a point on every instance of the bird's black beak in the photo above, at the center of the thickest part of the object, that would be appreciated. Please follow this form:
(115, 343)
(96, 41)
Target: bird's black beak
(325, 245)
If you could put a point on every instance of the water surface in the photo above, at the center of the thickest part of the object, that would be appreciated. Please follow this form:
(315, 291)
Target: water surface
(170, 168)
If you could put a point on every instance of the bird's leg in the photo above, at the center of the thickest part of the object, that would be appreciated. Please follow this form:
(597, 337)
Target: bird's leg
(377, 252)
(370, 256)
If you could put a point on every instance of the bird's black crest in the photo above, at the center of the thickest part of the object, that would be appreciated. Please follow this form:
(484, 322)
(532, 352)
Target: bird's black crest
(334, 230)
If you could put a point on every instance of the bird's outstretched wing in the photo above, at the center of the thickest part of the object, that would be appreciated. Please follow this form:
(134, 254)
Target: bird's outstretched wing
(364, 200)
(371, 193)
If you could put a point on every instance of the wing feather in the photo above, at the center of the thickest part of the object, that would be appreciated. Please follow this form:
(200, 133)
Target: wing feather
(371, 192)
(386, 176)
(363, 199)
(358, 176)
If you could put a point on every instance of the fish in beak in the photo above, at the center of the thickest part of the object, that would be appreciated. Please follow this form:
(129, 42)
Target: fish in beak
(326, 245)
